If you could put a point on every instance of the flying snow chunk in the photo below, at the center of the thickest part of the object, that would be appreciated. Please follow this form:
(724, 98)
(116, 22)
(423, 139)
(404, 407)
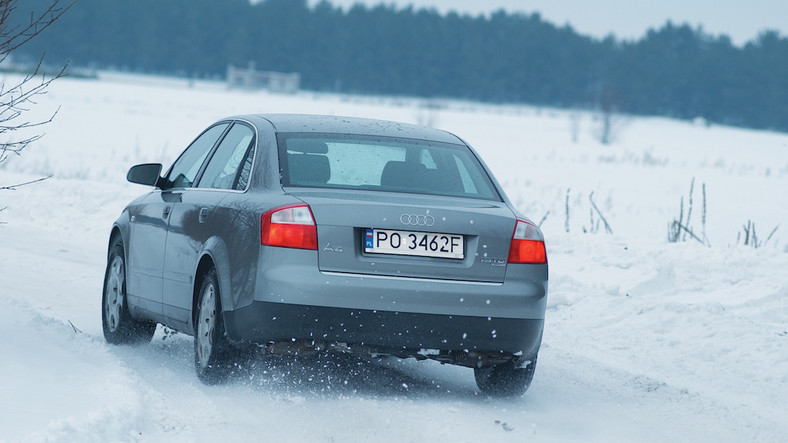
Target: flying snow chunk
(429, 352)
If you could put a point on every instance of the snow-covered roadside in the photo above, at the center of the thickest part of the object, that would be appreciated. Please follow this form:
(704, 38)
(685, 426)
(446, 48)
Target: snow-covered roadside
(645, 340)
(710, 324)
(58, 381)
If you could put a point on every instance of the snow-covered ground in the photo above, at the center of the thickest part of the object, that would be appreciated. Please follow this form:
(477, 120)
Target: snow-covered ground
(645, 340)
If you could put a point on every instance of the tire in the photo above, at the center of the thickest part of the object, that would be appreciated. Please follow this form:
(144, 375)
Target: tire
(118, 324)
(212, 349)
(505, 380)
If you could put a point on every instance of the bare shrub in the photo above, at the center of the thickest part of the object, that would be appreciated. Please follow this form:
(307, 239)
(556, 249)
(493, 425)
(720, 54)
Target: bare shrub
(680, 229)
(597, 220)
(19, 96)
(749, 236)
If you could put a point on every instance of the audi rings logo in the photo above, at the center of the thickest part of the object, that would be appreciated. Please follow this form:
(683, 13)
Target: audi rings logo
(417, 220)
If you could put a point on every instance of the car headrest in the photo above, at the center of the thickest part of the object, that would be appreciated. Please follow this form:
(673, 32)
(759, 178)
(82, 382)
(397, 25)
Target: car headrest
(305, 169)
(403, 175)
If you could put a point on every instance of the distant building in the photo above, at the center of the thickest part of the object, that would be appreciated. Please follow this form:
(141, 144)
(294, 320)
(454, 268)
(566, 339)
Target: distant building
(250, 78)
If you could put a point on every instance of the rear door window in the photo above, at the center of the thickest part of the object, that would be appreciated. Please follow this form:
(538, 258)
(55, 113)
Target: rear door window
(230, 165)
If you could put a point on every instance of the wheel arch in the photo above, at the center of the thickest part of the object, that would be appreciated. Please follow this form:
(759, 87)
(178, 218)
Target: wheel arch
(120, 229)
(115, 233)
(213, 256)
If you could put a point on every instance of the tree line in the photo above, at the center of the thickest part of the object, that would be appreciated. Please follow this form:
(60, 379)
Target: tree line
(674, 71)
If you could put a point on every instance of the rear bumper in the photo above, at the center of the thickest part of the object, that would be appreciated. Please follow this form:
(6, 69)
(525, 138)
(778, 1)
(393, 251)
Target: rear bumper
(292, 299)
(265, 321)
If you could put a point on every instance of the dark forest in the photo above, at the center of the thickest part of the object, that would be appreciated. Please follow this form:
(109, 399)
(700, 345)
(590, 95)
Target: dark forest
(674, 71)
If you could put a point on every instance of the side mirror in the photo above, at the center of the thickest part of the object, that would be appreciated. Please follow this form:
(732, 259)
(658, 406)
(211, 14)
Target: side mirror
(145, 174)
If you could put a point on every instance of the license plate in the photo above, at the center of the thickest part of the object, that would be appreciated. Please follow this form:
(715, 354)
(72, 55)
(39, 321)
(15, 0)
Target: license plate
(423, 244)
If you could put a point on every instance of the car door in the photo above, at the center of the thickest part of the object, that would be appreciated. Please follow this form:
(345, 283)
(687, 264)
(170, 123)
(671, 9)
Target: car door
(150, 222)
(148, 228)
(196, 218)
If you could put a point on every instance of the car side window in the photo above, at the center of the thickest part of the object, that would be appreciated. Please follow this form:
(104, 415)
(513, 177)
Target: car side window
(185, 169)
(230, 165)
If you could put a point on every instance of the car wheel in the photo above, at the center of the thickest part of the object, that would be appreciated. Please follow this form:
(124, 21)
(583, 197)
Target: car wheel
(505, 380)
(118, 324)
(211, 346)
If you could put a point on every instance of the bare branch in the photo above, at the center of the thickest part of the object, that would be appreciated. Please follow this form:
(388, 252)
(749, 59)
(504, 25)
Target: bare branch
(18, 98)
(679, 227)
(771, 234)
(689, 207)
(566, 220)
(14, 187)
(607, 226)
(15, 37)
(76, 330)
(543, 219)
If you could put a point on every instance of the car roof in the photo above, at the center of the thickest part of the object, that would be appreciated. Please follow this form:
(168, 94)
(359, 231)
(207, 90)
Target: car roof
(308, 123)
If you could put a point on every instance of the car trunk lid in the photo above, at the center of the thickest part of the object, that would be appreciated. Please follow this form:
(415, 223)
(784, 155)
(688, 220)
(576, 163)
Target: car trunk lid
(345, 219)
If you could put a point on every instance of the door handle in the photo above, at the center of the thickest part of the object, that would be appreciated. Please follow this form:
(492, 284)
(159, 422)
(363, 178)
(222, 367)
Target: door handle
(166, 212)
(203, 215)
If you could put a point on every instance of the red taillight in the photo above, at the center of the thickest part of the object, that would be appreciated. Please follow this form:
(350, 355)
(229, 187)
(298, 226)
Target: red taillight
(527, 244)
(289, 227)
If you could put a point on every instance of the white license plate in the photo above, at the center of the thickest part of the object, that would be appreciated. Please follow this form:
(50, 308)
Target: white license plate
(423, 244)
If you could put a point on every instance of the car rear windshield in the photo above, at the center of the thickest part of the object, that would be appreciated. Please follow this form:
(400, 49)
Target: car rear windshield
(382, 164)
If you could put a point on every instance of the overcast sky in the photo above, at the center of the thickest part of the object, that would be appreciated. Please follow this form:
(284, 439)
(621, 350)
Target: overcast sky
(741, 20)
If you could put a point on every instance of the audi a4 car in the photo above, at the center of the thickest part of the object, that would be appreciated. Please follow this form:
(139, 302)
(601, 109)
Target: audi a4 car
(301, 234)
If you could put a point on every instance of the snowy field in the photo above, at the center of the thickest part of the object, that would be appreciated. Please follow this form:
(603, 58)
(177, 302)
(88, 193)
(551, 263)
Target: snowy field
(645, 340)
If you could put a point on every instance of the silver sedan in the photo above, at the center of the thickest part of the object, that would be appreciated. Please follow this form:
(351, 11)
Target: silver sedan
(302, 233)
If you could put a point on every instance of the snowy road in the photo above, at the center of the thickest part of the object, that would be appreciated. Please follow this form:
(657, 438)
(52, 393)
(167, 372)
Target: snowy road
(645, 340)
(74, 386)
